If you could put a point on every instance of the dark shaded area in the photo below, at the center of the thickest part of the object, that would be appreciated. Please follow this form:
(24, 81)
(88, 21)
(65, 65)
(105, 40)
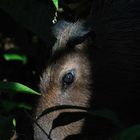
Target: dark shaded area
(22, 41)
(117, 63)
(118, 59)
(16, 39)
(32, 14)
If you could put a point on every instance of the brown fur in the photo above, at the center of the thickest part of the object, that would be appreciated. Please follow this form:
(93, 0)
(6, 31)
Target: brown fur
(63, 60)
(117, 28)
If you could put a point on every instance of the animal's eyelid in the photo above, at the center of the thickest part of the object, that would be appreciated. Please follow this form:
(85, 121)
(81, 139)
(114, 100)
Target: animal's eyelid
(73, 71)
(66, 83)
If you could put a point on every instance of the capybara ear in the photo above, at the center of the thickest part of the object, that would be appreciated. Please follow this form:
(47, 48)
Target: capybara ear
(85, 41)
(59, 28)
(72, 35)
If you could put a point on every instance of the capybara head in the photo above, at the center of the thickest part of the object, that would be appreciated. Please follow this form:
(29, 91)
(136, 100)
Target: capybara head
(67, 80)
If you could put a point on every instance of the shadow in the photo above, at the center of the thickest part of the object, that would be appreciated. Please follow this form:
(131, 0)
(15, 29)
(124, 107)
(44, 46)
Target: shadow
(116, 66)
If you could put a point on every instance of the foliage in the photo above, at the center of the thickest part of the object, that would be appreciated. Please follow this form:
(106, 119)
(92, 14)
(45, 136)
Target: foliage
(17, 87)
(8, 122)
(16, 57)
(6, 127)
(130, 133)
(55, 3)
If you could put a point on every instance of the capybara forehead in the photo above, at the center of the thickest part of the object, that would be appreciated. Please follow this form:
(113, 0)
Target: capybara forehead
(68, 32)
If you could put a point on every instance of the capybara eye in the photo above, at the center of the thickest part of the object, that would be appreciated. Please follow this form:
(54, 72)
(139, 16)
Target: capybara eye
(68, 78)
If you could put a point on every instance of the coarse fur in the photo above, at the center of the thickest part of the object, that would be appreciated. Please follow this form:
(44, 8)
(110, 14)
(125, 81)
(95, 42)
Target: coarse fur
(69, 53)
(117, 69)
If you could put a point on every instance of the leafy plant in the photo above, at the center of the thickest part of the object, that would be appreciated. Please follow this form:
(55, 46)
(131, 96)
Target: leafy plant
(68, 117)
(6, 127)
(55, 2)
(16, 87)
(15, 57)
(8, 122)
(131, 133)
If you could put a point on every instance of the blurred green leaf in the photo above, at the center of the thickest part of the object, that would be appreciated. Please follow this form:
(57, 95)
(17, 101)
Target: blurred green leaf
(6, 127)
(10, 105)
(17, 57)
(55, 3)
(7, 106)
(14, 122)
(16, 87)
(131, 133)
(25, 106)
(107, 114)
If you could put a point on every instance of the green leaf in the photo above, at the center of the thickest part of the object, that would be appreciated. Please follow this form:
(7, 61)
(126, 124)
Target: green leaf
(14, 122)
(107, 114)
(7, 106)
(17, 57)
(10, 105)
(16, 87)
(131, 133)
(6, 127)
(55, 2)
(25, 106)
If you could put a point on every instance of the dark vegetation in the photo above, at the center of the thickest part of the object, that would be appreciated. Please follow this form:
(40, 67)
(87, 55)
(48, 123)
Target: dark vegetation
(17, 39)
(25, 30)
